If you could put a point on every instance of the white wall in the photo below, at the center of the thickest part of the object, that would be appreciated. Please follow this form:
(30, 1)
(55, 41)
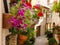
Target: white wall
(42, 22)
(56, 18)
(0, 25)
(0, 22)
(2, 6)
(42, 32)
(3, 32)
(41, 2)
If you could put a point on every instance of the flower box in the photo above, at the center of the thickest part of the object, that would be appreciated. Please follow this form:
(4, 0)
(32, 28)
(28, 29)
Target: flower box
(6, 17)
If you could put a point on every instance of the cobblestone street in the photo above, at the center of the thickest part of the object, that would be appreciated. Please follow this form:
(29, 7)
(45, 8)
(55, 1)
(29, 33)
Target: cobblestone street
(42, 40)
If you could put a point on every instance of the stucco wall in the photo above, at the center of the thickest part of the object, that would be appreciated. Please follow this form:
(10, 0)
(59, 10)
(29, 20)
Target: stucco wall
(1, 11)
(42, 32)
(0, 25)
(3, 32)
(56, 18)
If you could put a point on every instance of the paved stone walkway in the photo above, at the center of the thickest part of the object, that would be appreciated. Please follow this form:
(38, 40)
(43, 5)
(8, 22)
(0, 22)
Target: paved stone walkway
(42, 40)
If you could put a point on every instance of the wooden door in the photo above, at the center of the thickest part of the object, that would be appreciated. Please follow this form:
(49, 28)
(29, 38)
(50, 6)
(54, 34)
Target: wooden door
(38, 31)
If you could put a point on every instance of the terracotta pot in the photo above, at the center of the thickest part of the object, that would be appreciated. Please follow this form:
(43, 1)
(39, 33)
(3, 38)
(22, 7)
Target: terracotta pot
(55, 43)
(20, 42)
(59, 30)
(22, 38)
(58, 36)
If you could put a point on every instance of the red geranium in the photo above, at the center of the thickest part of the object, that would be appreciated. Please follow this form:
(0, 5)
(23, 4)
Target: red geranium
(29, 4)
(37, 7)
(40, 14)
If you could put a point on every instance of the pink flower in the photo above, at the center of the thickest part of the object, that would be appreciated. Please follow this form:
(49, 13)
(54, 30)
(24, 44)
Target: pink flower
(24, 26)
(27, 5)
(14, 22)
(21, 21)
(21, 12)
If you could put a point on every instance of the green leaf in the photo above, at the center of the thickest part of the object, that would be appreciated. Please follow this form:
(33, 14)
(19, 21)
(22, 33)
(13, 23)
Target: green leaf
(19, 0)
(13, 10)
(56, 7)
(52, 41)
(14, 31)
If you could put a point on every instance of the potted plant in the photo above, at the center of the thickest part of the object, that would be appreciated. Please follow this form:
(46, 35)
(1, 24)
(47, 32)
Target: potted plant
(58, 36)
(49, 34)
(31, 38)
(57, 31)
(52, 41)
(23, 21)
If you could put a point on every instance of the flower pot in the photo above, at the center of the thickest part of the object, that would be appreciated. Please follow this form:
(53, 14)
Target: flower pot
(59, 30)
(20, 42)
(22, 38)
(58, 36)
(6, 17)
(55, 43)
